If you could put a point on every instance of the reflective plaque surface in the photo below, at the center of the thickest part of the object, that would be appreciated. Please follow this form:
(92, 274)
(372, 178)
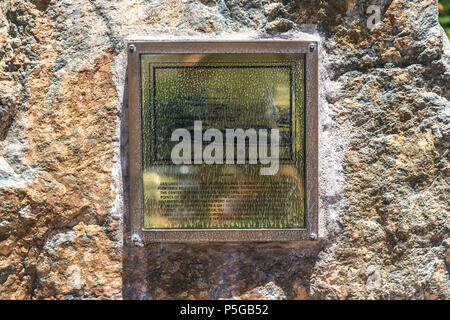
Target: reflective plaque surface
(223, 91)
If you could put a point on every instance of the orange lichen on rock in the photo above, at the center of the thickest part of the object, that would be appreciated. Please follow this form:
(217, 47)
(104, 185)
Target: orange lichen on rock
(70, 134)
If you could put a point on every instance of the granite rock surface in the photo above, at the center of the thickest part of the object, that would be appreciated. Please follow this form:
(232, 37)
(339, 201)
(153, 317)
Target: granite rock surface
(384, 163)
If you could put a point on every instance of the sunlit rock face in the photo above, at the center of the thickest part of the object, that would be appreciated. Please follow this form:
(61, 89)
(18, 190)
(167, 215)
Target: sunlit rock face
(384, 132)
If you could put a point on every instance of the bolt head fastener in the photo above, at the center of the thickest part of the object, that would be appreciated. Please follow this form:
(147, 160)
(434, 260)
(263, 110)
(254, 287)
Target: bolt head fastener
(313, 236)
(312, 47)
(132, 48)
(135, 238)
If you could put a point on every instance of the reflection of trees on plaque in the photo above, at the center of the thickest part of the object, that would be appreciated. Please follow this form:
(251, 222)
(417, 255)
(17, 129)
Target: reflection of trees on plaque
(221, 96)
(259, 91)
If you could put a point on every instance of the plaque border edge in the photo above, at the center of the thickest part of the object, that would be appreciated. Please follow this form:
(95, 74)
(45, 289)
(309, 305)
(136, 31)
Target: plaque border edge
(310, 48)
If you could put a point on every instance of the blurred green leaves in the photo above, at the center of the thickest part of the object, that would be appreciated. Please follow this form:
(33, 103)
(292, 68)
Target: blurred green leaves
(444, 15)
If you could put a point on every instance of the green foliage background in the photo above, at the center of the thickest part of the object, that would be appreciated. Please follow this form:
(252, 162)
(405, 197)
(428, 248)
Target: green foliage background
(444, 15)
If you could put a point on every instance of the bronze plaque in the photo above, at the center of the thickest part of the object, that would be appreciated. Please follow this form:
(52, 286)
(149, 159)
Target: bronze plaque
(223, 136)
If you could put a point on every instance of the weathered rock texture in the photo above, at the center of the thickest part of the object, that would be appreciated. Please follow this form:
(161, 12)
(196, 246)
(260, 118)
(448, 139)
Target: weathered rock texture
(384, 165)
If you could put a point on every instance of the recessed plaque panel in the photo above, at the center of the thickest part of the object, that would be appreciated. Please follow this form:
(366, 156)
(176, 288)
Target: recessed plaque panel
(224, 92)
(223, 142)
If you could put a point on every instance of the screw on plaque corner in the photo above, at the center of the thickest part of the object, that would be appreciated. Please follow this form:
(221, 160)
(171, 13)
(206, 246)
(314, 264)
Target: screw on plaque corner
(313, 236)
(136, 240)
(312, 47)
(132, 48)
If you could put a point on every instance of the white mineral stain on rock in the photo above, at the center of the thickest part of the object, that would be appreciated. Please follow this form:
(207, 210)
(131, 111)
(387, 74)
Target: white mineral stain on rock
(57, 240)
(73, 274)
(374, 280)
(8, 178)
(272, 292)
(269, 291)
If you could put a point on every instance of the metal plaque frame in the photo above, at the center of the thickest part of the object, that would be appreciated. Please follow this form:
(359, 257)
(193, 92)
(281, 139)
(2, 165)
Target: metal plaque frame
(135, 50)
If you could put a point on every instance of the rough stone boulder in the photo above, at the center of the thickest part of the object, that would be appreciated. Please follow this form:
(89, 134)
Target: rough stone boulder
(384, 165)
